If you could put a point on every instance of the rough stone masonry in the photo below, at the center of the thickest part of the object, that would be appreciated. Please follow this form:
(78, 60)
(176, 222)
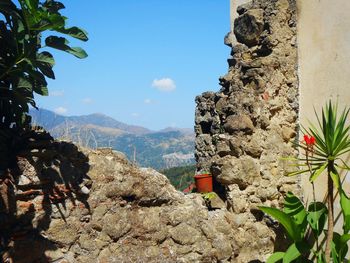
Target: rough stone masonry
(244, 130)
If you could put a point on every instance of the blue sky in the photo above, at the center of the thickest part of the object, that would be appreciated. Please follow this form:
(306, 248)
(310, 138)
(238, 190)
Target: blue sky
(147, 60)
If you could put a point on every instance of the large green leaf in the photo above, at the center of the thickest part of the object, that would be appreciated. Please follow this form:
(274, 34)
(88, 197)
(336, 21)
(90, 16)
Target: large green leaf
(45, 62)
(75, 32)
(45, 57)
(317, 217)
(294, 207)
(339, 247)
(345, 206)
(53, 6)
(62, 44)
(275, 257)
(24, 83)
(293, 230)
(49, 22)
(46, 70)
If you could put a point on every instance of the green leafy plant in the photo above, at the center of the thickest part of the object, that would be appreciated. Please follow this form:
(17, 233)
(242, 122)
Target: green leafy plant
(208, 197)
(25, 62)
(25, 65)
(323, 149)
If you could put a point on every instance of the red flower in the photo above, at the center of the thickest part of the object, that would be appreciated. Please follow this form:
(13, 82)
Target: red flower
(309, 140)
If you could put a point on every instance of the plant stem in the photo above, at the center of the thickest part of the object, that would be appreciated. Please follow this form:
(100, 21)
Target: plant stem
(314, 197)
(330, 214)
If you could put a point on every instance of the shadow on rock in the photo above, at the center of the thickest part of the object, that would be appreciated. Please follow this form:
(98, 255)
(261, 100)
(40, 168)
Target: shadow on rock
(45, 181)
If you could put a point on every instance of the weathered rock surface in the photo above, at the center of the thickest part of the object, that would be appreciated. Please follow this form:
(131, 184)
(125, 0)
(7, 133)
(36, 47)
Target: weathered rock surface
(244, 130)
(79, 205)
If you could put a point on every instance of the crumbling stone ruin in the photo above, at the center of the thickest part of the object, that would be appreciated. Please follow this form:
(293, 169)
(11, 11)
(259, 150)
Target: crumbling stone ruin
(244, 130)
(78, 205)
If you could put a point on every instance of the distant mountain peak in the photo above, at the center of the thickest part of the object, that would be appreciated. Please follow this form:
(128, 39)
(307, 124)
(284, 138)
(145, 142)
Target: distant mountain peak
(50, 120)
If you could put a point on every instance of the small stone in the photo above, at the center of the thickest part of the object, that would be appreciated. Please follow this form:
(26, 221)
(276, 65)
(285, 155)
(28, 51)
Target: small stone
(23, 180)
(184, 234)
(231, 170)
(228, 40)
(288, 133)
(84, 190)
(236, 123)
(217, 203)
(249, 26)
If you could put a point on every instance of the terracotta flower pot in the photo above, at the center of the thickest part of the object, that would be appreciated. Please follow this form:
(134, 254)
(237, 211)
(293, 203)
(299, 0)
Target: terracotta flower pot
(204, 183)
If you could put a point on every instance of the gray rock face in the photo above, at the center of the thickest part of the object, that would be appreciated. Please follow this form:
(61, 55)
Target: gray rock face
(244, 129)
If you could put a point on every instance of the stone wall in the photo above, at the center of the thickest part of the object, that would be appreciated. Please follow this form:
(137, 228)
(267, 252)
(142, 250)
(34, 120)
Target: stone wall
(244, 130)
(71, 205)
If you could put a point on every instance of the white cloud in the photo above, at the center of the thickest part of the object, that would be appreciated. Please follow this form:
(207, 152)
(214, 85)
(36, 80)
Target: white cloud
(56, 93)
(87, 100)
(148, 101)
(60, 110)
(135, 115)
(164, 84)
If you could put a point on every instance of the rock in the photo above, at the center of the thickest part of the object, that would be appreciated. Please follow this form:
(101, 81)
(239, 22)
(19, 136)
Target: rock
(228, 40)
(241, 9)
(249, 26)
(220, 105)
(217, 203)
(62, 233)
(223, 247)
(241, 171)
(184, 234)
(256, 112)
(235, 146)
(116, 225)
(223, 147)
(288, 133)
(237, 123)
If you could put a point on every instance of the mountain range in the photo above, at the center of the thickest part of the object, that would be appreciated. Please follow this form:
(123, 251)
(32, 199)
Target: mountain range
(162, 149)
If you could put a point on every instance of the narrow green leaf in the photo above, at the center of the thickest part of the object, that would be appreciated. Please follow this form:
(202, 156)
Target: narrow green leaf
(297, 172)
(288, 223)
(275, 257)
(317, 172)
(291, 254)
(336, 179)
(321, 257)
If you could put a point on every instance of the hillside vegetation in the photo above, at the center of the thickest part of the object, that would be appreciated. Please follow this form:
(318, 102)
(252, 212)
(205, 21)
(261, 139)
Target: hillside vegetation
(181, 177)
